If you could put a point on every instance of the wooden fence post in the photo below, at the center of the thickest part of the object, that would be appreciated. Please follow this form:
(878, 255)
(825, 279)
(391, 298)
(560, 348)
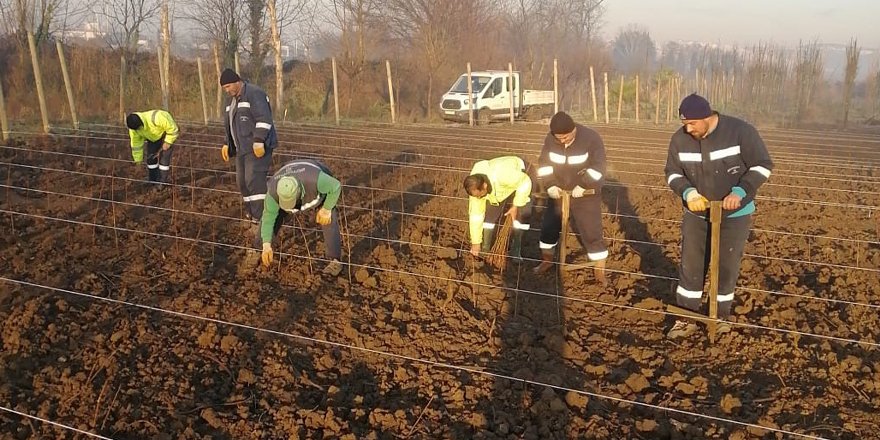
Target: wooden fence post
(4, 122)
(38, 78)
(638, 101)
(657, 106)
(555, 86)
(219, 104)
(122, 69)
(607, 119)
(67, 86)
(470, 99)
(390, 91)
(202, 89)
(335, 92)
(593, 94)
(620, 99)
(510, 88)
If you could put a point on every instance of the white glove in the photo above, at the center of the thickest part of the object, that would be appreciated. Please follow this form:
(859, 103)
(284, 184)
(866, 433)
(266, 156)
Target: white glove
(578, 192)
(554, 192)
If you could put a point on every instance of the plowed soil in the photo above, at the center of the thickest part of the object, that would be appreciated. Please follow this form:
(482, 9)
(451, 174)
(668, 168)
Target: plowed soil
(125, 312)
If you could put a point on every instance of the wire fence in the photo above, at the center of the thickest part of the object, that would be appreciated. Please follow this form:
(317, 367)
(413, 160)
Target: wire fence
(400, 357)
(430, 277)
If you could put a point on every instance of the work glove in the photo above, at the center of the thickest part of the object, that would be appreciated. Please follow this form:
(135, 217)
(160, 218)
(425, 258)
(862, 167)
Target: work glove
(224, 152)
(696, 202)
(554, 192)
(578, 192)
(259, 149)
(324, 216)
(268, 255)
(166, 146)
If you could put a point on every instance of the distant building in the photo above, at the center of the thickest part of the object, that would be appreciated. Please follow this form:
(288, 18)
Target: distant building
(89, 31)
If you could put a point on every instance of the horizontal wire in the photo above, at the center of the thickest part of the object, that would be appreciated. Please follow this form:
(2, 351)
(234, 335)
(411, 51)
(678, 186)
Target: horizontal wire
(611, 144)
(461, 251)
(471, 283)
(448, 219)
(507, 150)
(456, 220)
(56, 424)
(438, 247)
(417, 167)
(433, 363)
(204, 145)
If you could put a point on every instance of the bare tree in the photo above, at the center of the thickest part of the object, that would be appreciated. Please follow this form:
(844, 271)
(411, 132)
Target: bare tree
(434, 29)
(808, 74)
(256, 31)
(126, 19)
(874, 89)
(633, 50)
(219, 21)
(356, 29)
(849, 79)
(36, 16)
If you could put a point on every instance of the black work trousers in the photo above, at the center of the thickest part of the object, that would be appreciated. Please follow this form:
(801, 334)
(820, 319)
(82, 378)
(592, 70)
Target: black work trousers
(696, 239)
(586, 215)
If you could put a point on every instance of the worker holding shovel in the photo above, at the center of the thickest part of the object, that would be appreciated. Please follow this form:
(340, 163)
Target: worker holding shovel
(573, 161)
(713, 157)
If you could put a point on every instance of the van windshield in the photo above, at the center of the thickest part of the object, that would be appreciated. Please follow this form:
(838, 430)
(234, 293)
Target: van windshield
(478, 82)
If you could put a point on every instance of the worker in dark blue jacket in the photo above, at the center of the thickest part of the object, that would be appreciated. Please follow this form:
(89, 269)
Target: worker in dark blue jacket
(713, 157)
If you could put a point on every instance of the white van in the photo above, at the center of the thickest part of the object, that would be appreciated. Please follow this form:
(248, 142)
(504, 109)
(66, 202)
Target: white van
(491, 98)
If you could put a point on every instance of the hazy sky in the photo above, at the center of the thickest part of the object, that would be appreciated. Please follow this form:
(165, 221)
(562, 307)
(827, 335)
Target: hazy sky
(749, 21)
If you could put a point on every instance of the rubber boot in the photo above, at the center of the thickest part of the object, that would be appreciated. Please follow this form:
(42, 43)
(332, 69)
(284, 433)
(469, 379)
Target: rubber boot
(546, 261)
(515, 251)
(488, 239)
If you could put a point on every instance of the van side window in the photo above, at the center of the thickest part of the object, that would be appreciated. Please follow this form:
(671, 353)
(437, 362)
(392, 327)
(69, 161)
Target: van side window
(493, 89)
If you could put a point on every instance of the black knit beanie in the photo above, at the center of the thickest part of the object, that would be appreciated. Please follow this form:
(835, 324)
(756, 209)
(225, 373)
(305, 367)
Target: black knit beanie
(228, 77)
(133, 121)
(561, 123)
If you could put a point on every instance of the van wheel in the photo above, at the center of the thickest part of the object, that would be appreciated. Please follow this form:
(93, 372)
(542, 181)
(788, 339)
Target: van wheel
(484, 117)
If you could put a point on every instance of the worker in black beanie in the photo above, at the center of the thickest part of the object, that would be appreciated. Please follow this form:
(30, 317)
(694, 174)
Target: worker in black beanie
(573, 161)
(250, 138)
(713, 157)
(157, 131)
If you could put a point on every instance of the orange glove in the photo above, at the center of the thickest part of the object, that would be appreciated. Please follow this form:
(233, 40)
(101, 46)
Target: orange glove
(268, 255)
(324, 217)
(224, 153)
(259, 149)
(696, 202)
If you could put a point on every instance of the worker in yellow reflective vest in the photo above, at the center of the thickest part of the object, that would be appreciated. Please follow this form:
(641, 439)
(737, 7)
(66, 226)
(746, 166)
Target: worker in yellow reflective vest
(157, 130)
(496, 183)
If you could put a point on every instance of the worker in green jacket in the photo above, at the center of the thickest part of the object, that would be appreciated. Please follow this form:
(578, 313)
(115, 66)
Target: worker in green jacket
(496, 183)
(298, 186)
(156, 129)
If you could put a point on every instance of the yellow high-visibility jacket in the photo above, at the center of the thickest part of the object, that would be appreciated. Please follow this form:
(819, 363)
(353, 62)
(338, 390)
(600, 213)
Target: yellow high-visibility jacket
(157, 123)
(506, 176)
